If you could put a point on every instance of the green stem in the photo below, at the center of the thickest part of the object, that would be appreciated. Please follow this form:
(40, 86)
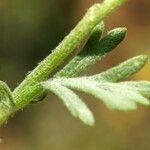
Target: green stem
(30, 88)
(94, 15)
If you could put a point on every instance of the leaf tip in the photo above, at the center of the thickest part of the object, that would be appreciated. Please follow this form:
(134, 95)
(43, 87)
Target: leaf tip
(90, 121)
(144, 58)
(120, 31)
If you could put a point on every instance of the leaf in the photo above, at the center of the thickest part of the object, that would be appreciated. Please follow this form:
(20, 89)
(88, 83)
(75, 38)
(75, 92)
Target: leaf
(142, 87)
(119, 72)
(127, 91)
(74, 104)
(123, 70)
(5, 94)
(119, 96)
(6, 102)
(111, 99)
(93, 51)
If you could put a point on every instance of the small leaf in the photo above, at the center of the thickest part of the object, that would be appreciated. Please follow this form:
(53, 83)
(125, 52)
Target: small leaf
(6, 102)
(74, 104)
(92, 52)
(95, 35)
(112, 40)
(113, 100)
(143, 87)
(126, 91)
(5, 94)
(115, 95)
(124, 70)
(75, 67)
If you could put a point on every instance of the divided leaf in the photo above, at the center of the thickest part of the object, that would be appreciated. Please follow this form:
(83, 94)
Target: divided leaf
(74, 104)
(121, 96)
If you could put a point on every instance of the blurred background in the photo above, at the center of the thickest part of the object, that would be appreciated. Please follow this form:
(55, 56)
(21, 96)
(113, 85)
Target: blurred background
(29, 30)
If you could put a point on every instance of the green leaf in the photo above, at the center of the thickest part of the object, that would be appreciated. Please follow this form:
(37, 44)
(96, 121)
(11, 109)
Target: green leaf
(142, 87)
(74, 104)
(123, 70)
(5, 94)
(93, 51)
(95, 35)
(127, 91)
(113, 100)
(6, 102)
(119, 96)
(75, 66)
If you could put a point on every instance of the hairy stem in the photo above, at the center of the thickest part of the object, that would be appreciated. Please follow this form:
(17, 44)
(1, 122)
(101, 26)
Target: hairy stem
(93, 16)
(30, 88)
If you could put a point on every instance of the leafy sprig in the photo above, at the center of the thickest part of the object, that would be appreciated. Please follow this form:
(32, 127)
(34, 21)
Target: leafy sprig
(94, 50)
(104, 86)
(122, 96)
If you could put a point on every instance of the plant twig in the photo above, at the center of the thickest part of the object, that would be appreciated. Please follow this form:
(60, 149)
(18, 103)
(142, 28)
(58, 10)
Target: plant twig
(30, 87)
(93, 16)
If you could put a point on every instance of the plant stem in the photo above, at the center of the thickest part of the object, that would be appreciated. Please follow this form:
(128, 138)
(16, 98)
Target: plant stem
(22, 95)
(30, 87)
